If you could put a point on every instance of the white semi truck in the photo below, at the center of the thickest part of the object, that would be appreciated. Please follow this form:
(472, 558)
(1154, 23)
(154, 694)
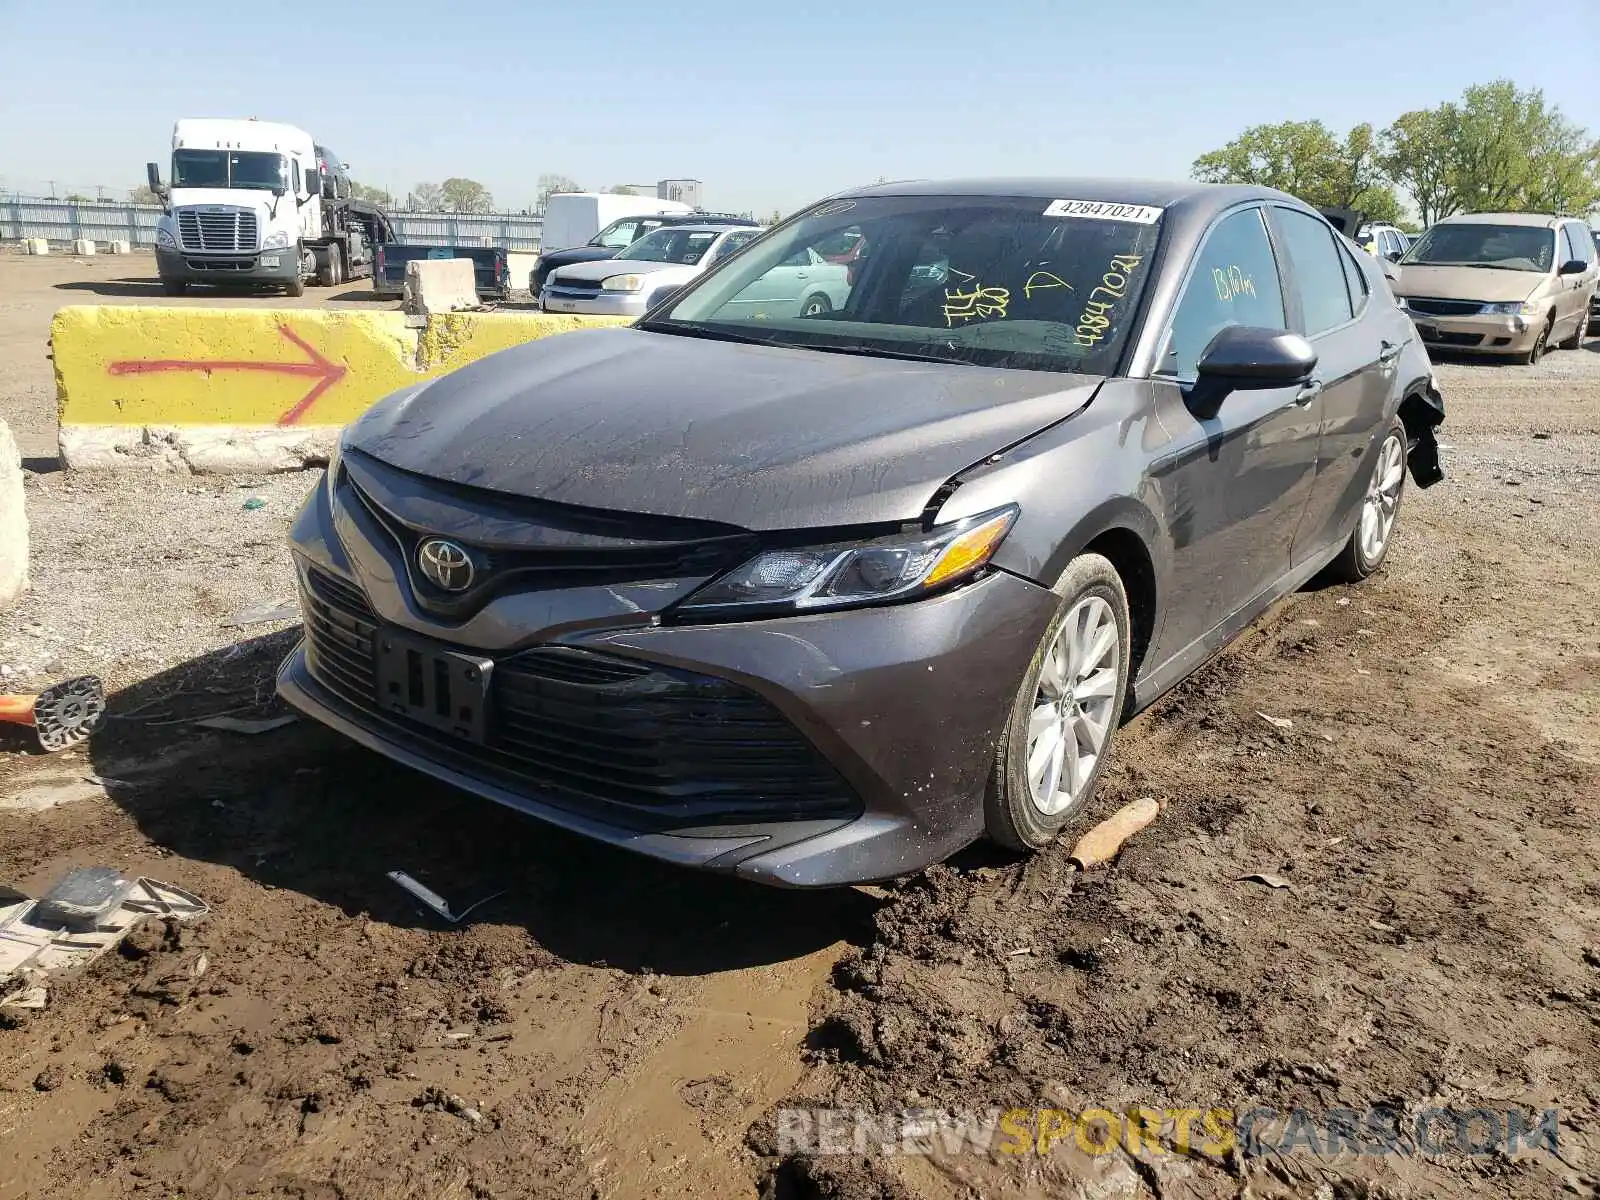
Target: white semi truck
(257, 202)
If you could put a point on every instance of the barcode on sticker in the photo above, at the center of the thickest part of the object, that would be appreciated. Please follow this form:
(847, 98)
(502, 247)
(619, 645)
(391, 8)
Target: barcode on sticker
(1095, 210)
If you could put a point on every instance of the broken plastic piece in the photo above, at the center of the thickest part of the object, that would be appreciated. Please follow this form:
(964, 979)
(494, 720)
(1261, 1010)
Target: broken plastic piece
(62, 715)
(435, 901)
(83, 898)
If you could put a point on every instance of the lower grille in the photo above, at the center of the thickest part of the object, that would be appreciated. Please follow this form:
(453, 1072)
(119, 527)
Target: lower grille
(221, 264)
(664, 746)
(1440, 337)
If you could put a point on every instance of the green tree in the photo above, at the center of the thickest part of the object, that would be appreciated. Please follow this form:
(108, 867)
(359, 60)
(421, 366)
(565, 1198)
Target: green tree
(1497, 148)
(549, 185)
(1306, 159)
(373, 195)
(143, 195)
(427, 197)
(465, 196)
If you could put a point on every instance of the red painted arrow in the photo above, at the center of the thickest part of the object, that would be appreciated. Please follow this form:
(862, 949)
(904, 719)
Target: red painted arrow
(324, 371)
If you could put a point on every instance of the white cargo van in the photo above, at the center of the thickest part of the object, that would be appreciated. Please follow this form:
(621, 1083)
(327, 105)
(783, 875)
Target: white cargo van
(572, 218)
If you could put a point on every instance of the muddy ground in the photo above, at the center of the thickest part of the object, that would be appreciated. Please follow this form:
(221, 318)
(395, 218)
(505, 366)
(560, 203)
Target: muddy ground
(606, 1027)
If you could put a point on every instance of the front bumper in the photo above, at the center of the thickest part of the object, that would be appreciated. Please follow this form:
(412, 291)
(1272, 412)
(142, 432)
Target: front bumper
(262, 266)
(1478, 333)
(905, 703)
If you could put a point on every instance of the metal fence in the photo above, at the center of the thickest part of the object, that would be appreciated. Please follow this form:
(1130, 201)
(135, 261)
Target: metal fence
(68, 220)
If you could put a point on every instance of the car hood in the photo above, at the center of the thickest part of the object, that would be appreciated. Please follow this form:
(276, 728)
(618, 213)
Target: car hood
(594, 272)
(578, 254)
(756, 436)
(1490, 284)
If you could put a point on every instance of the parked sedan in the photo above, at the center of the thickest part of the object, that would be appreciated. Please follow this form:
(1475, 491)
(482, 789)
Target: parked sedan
(625, 286)
(820, 597)
(615, 238)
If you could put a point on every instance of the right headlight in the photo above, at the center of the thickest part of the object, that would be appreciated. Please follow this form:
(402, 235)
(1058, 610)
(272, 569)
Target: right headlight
(166, 236)
(1513, 308)
(622, 283)
(849, 575)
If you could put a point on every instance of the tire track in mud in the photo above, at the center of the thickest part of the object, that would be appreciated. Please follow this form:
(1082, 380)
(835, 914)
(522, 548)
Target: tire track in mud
(1435, 947)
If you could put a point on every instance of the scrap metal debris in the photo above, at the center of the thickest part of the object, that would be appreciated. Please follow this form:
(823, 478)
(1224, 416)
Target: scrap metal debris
(1103, 842)
(437, 902)
(1272, 881)
(89, 911)
(262, 614)
(1276, 722)
(62, 715)
(245, 725)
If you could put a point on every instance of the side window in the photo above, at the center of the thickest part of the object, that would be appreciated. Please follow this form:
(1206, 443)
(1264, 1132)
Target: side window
(1354, 278)
(734, 243)
(294, 167)
(1564, 249)
(1582, 243)
(1234, 282)
(1318, 273)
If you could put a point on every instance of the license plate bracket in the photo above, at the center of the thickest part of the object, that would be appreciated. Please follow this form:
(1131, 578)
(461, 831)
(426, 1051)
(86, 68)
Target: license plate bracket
(433, 685)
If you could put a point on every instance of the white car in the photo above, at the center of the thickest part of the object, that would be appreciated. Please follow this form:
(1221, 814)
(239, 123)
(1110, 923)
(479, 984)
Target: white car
(803, 285)
(1383, 241)
(626, 286)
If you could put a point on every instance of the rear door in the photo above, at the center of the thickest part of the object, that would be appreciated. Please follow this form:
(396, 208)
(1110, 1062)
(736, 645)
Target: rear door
(1329, 298)
(1235, 485)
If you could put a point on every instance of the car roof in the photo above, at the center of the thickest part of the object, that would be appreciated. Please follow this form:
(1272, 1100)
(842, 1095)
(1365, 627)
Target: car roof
(1536, 220)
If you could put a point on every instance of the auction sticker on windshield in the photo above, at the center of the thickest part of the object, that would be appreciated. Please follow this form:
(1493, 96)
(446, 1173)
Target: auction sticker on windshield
(1094, 210)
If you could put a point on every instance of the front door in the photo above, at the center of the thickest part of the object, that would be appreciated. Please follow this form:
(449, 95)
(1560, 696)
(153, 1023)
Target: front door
(1232, 486)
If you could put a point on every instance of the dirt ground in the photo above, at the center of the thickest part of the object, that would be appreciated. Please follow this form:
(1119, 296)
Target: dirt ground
(606, 1027)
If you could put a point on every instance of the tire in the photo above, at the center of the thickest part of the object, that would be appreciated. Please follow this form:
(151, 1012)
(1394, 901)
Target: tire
(1380, 503)
(1579, 335)
(815, 306)
(297, 285)
(1028, 812)
(330, 266)
(1540, 346)
(175, 287)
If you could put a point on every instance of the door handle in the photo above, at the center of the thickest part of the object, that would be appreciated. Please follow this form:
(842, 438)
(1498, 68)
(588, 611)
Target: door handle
(1391, 351)
(802, 275)
(1308, 393)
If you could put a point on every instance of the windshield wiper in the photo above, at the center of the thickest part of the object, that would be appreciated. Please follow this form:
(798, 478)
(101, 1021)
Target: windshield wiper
(701, 331)
(872, 352)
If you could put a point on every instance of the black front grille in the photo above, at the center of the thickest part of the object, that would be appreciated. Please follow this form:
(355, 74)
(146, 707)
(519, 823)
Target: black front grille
(221, 264)
(1440, 337)
(1446, 308)
(665, 746)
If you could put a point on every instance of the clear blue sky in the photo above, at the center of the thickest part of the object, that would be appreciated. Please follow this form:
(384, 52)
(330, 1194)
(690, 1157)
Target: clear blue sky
(771, 105)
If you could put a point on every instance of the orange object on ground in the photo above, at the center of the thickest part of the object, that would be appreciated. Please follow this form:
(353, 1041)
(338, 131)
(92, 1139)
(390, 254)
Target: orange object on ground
(62, 715)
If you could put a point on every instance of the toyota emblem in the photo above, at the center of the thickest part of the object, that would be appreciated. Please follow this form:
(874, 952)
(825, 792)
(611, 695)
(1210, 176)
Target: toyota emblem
(445, 564)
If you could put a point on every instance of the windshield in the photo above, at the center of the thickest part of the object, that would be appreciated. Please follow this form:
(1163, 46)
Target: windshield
(986, 280)
(225, 168)
(1508, 247)
(685, 247)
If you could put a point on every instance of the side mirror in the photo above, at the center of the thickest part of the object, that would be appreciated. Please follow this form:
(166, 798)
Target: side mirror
(1573, 266)
(1247, 356)
(1395, 255)
(152, 173)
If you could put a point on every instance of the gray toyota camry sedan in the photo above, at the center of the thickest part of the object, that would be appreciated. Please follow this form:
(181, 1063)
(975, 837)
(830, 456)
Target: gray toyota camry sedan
(820, 595)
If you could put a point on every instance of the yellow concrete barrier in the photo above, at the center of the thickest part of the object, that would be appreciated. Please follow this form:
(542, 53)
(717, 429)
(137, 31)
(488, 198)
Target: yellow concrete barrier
(218, 389)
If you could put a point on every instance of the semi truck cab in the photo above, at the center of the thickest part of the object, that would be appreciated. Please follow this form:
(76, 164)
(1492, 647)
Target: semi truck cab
(258, 202)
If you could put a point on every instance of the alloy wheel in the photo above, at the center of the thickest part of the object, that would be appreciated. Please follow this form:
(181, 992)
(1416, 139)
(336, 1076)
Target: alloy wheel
(1382, 499)
(1074, 707)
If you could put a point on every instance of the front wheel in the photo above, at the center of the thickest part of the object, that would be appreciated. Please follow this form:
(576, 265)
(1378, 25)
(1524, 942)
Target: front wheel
(1066, 712)
(815, 306)
(1541, 345)
(1380, 505)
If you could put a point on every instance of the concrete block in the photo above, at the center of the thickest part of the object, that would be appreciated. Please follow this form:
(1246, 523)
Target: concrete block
(13, 522)
(119, 247)
(83, 247)
(519, 266)
(439, 285)
(35, 246)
